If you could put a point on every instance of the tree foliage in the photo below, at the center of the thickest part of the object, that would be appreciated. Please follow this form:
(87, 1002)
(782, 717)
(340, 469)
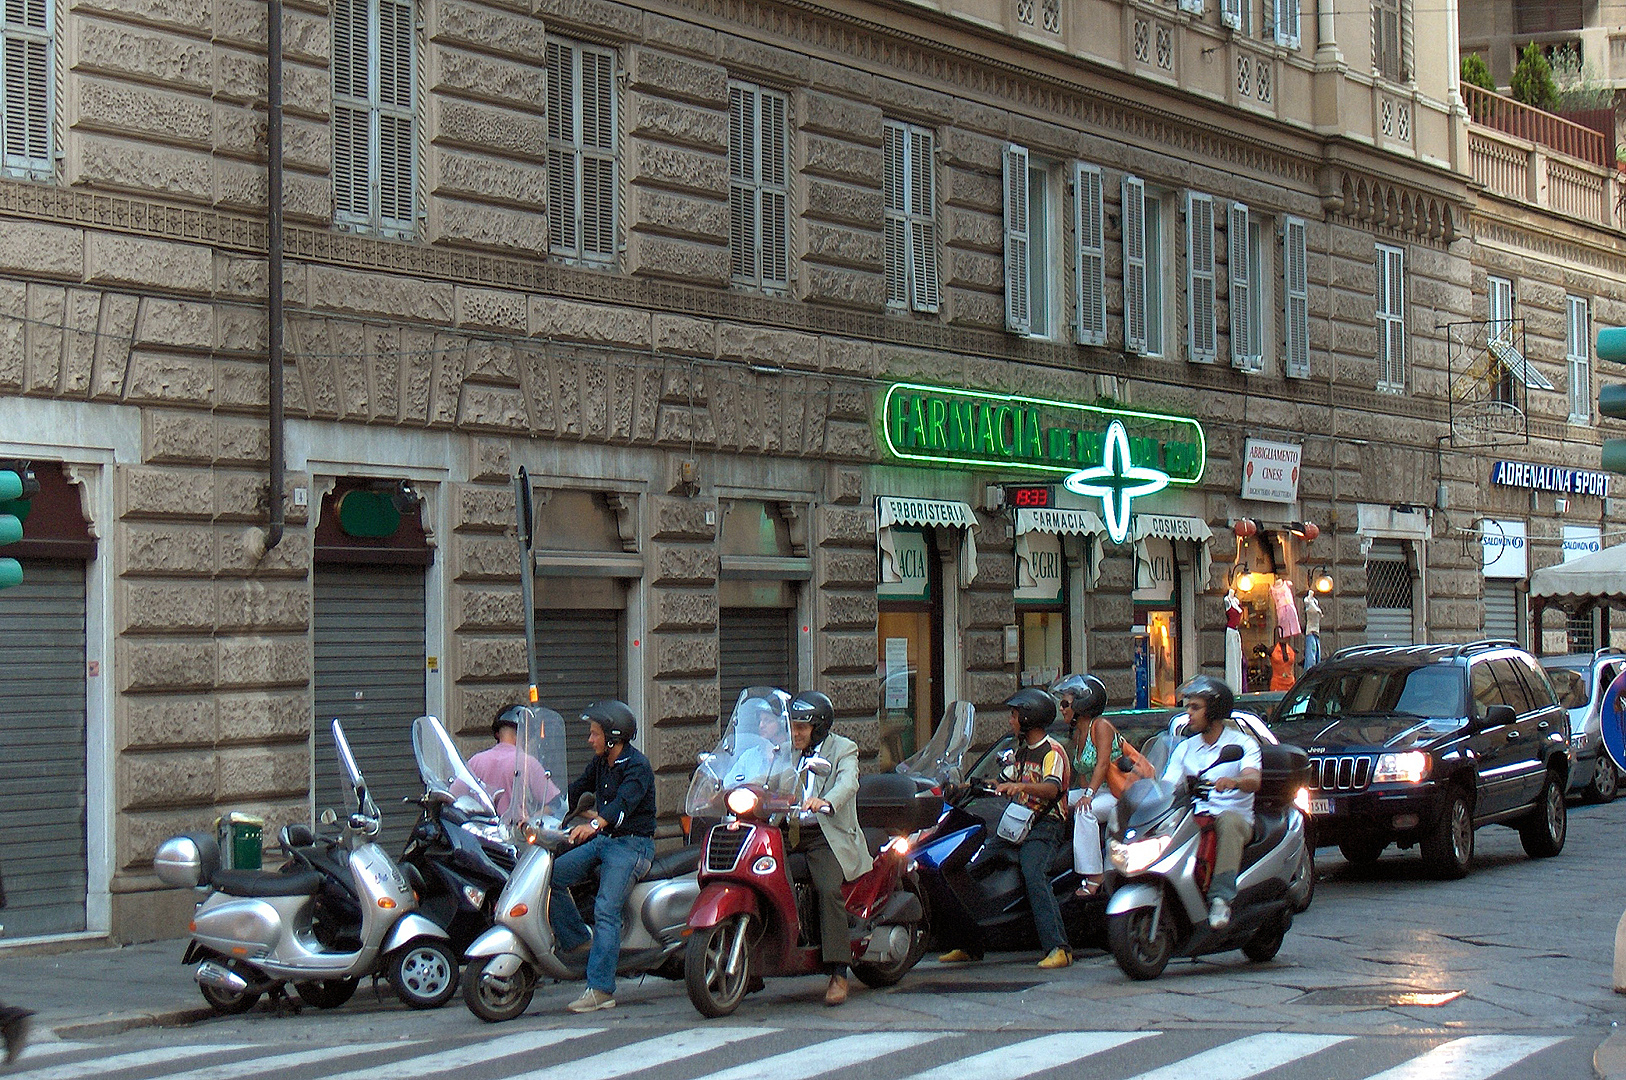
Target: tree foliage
(1533, 80)
(1475, 72)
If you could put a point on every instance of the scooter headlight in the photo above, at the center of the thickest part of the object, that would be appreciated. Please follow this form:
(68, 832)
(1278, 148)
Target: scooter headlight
(1301, 799)
(742, 802)
(1137, 856)
(485, 831)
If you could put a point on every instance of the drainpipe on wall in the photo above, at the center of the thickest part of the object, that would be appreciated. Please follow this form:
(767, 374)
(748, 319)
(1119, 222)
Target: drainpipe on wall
(273, 190)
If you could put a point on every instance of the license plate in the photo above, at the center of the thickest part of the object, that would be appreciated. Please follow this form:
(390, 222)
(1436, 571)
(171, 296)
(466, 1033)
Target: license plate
(1320, 806)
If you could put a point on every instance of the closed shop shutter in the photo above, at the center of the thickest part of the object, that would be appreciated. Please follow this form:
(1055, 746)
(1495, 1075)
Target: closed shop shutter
(42, 765)
(579, 657)
(756, 648)
(1501, 610)
(1388, 594)
(370, 675)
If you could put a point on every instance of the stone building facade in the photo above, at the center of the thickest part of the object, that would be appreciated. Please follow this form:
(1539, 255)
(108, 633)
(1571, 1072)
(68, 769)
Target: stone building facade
(673, 257)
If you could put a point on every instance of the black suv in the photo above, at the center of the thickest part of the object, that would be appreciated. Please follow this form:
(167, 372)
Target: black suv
(1422, 744)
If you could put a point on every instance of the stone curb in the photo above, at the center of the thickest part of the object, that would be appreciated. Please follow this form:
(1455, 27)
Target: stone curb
(121, 1022)
(1609, 1060)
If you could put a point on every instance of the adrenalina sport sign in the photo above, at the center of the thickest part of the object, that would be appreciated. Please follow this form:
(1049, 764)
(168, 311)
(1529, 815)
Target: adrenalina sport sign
(972, 429)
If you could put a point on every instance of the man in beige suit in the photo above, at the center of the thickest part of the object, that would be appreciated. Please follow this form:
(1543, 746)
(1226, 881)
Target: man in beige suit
(835, 851)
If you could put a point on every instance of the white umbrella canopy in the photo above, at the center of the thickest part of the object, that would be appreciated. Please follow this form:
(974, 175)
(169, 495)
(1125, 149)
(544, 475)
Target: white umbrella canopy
(1599, 578)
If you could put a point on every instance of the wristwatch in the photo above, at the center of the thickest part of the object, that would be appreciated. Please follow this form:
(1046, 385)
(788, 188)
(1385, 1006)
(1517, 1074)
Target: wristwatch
(597, 824)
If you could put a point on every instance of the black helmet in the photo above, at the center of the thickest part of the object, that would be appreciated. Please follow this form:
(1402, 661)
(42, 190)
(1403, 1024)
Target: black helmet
(615, 717)
(507, 716)
(816, 708)
(1089, 695)
(1214, 691)
(1035, 709)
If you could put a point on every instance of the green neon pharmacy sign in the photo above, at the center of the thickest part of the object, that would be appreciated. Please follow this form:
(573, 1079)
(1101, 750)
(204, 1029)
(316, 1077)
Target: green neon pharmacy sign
(972, 429)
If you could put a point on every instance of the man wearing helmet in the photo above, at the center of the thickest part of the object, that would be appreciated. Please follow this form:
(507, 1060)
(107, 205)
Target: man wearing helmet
(835, 851)
(1036, 778)
(617, 840)
(498, 766)
(1208, 706)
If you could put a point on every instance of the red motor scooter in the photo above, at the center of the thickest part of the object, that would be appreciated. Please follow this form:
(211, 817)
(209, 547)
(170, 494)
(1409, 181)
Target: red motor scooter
(757, 913)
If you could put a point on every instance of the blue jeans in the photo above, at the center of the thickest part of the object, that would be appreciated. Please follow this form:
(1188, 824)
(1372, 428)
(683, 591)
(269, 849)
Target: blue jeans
(1035, 856)
(620, 862)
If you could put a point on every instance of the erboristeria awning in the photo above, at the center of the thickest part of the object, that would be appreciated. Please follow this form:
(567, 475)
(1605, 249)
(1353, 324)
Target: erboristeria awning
(893, 510)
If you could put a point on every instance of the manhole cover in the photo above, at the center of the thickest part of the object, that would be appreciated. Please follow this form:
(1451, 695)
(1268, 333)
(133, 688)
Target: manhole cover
(917, 987)
(1379, 996)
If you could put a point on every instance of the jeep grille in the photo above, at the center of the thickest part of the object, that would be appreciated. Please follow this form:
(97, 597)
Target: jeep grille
(1344, 772)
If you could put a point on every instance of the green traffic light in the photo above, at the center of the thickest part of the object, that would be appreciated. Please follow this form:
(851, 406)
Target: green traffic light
(1612, 345)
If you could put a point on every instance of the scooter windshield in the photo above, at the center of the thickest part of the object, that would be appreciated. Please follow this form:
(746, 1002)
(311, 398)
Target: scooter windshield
(942, 759)
(755, 749)
(443, 769)
(350, 773)
(1146, 803)
(533, 794)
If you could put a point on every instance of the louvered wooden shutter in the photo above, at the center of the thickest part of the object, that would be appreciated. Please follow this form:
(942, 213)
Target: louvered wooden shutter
(1391, 318)
(897, 228)
(742, 210)
(29, 86)
(1245, 350)
(564, 234)
(773, 133)
(1296, 287)
(598, 131)
(1134, 229)
(352, 119)
(1500, 308)
(1578, 354)
(923, 220)
(1193, 6)
(1090, 255)
(1287, 23)
(1231, 13)
(397, 156)
(1201, 332)
(1018, 304)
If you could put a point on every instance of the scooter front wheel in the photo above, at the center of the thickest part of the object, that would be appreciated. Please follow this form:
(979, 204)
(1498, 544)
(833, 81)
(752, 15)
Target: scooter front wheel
(717, 966)
(497, 999)
(1141, 953)
(424, 973)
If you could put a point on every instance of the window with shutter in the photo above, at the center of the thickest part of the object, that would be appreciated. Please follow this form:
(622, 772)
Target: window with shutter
(1134, 230)
(27, 56)
(758, 187)
(1246, 352)
(1296, 288)
(1499, 309)
(910, 202)
(582, 158)
(1201, 331)
(1090, 261)
(1388, 57)
(375, 115)
(1018, 308)
(1193, 6)
(1391, 298)
(1578, 354)
(1286, 22)
(1231, 13)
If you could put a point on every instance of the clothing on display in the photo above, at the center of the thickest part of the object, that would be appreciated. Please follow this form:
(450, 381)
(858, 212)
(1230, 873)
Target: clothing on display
(1233, 642)
(1312, 614)
(1312, 649)
(1287, 612)
(1281, 665)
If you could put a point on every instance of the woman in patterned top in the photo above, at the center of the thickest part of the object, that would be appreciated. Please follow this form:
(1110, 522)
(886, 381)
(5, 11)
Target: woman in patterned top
(1083, 699)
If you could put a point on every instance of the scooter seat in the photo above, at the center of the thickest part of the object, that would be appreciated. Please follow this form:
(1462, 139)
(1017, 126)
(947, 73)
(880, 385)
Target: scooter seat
(1269, 826)
(267, 883)
(685, 860)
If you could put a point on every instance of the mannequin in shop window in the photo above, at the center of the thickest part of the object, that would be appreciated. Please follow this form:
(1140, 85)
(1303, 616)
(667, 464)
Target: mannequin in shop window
(1282, 657)
(1233, 641)
(1312, 630)
(1287, 613)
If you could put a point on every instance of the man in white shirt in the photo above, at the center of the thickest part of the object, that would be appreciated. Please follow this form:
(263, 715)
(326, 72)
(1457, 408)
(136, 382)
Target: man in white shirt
(1208, 706)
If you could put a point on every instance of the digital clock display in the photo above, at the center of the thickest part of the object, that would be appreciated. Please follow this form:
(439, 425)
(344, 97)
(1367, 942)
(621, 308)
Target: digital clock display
(1030, 498)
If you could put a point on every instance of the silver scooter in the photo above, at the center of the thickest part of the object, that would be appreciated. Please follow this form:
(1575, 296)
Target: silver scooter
(506, 962)
(1158, 911)
(340, 910)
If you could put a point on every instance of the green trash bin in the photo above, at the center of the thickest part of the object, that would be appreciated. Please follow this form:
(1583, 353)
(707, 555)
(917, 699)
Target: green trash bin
(241, 838)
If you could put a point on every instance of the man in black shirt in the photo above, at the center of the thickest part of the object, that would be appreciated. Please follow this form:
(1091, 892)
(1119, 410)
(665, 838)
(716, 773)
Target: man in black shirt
(618, 840)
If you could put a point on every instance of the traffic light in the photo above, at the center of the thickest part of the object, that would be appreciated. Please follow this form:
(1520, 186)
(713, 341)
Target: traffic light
(17, 484)
(1612, 397)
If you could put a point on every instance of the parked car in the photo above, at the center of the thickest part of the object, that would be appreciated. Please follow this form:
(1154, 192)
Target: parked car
(1424, 744)
(1580, 681)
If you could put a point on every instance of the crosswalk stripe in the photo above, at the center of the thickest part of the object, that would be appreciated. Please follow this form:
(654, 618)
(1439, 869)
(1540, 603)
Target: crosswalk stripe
(1035, 1055)
(255, 1066)
(35, 1051)
(135, 1060)
(646, 1054)
(1244, 1057)
(824, 1057)
(479, 1053)
(1472, 1058)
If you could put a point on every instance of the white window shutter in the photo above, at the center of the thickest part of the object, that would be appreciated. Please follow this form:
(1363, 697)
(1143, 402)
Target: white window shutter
(598, 129)
(1134, 230)
(922, 190)
(1245, 350)
(1499, 308)
(563, 226)
(1018, 304)
(1201, 332)
(29, 110)
(896, 256)
(773, 212)
(397, 155)
(1090, 255)
(1231, 13)
(1296, 288)
(1193, 6)
(1287, 23)
(742, 210)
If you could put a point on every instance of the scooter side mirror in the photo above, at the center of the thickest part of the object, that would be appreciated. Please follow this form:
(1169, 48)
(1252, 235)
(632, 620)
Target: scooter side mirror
(1006, 757)
(1230, 753)
(818, 766)
(329, 817)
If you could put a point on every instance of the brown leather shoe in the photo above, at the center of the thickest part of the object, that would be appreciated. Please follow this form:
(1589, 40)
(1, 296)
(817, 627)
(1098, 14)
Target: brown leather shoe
(836, 992)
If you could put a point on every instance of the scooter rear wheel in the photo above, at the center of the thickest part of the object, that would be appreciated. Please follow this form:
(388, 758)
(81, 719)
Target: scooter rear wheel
(423, 973)
(713, 989)
(228, 1002)
(1139, 954)
(1267, 940)
(497, 1000)
(877, 976)
(326, 993)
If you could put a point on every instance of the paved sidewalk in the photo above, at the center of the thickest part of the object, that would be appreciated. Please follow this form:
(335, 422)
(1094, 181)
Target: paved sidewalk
(88, 993)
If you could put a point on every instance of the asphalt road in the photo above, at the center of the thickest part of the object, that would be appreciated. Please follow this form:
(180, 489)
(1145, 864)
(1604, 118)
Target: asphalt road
(1390, 974)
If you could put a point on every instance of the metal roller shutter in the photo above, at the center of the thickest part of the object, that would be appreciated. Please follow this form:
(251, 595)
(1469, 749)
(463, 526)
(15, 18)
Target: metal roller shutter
(1501, 610)
(1388, 594)
(580, 658)
(756, 647)
(42, 766)
(370, 675)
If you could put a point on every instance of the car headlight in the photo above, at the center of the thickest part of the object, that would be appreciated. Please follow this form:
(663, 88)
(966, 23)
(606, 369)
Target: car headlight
(1408, 768)
(742, 801)
(1135, 857)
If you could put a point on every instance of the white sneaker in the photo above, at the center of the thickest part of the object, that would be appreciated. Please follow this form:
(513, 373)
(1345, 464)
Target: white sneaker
(592, 1001)
(1219, 914)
